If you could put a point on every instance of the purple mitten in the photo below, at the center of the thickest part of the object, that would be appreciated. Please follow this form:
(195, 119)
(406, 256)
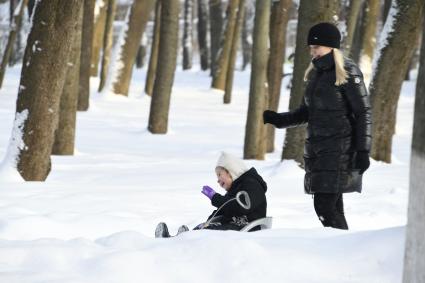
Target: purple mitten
(208, 191)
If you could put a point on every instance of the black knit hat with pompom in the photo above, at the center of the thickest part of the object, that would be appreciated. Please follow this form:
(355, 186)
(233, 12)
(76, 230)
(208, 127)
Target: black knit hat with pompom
(324, 34)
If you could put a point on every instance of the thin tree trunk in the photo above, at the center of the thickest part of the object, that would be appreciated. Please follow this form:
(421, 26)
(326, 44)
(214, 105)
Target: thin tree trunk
(247, 35)
(352, 19)
(98, 30)
(107, 43)
(14, 30)
(203, 33)
(234, 49)
(44, 68)
(386, 9)
(278, 24)
(219, 76)
(141, 56)
(255, 145)
(17, 55)
(356, 46)
(31, 4)
(414, 260)
(216, 29)
(369, 38)
(65, 132)
(139, 15)
(310, 13)
(188, 34)
(86, 53)
(403, 25)
(153, 60)
(168, 44)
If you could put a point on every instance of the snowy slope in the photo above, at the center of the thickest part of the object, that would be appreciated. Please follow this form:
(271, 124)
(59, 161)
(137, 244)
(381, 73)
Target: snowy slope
(93, 220)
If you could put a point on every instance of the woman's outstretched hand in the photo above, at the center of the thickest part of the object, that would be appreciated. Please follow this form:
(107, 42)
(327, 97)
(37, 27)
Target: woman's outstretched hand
(269, 117)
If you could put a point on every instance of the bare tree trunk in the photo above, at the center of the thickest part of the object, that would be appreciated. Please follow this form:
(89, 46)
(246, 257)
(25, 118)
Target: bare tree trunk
(65, 132)
(14, 30)
(369, 38)
(234, 49)
(31, 4)
(203, 33)
(247, 35)
(168, 45)
(216, 29)
(86, 52)
(188, 34)
(386, 9)
(141, 53)
(414, 260)
(403, 25)
(107, 43)
(352, 19)
(153, 60)
(309, 13)
(219, 76)
(44, 68)
(98, 30)
(278, 24)
(17, 53)
(139, 15)
(357, 44)
(255, 145)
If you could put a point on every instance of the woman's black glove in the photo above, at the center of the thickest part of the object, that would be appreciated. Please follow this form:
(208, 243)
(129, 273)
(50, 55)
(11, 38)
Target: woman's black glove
(362, 161)
(270, 117)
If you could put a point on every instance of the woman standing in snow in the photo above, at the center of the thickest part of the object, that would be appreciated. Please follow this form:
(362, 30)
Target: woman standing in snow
(337, 110)
(234, 177)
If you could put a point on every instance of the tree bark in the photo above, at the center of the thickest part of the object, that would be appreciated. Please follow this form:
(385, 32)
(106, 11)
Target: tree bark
(233, 51)
(247, 35)
(141, 56)
(14, 30)
(351, 23)
(310, 13)
(356, 46)
(153, 59)
(403, 25)
(168, 45)
(216, 29)
(222, 64)
(369, 38)
(278, 24)
(255, 145)
(203, 33)
(65, 132)
(98, 30)
(414, 260)
(86, 54)
(188, 34)
(386, 9)
(42, 79)
(107, 43)
(139, 15)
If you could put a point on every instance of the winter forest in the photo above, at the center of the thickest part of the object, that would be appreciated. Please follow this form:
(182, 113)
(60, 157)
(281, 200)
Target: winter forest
(113, 114)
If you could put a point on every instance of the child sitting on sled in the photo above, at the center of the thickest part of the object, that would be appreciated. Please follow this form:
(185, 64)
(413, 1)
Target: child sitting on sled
(234, 177)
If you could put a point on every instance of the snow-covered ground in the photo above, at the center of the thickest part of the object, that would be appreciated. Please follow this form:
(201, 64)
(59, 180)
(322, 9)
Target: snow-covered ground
(93, 220)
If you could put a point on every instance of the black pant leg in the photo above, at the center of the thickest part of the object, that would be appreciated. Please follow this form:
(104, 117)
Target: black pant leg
(330, 210)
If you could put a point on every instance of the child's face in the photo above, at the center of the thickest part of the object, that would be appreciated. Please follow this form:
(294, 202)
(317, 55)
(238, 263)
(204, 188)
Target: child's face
(224, 179)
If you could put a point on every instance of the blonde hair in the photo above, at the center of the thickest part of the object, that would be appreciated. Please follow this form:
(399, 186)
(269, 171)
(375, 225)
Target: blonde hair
(340, 72)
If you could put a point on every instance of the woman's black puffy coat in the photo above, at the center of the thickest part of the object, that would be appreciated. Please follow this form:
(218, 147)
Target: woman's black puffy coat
(339, 125)
(250, 182)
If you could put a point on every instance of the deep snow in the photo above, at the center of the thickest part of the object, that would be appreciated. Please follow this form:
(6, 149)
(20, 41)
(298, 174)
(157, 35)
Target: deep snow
(93, 220)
